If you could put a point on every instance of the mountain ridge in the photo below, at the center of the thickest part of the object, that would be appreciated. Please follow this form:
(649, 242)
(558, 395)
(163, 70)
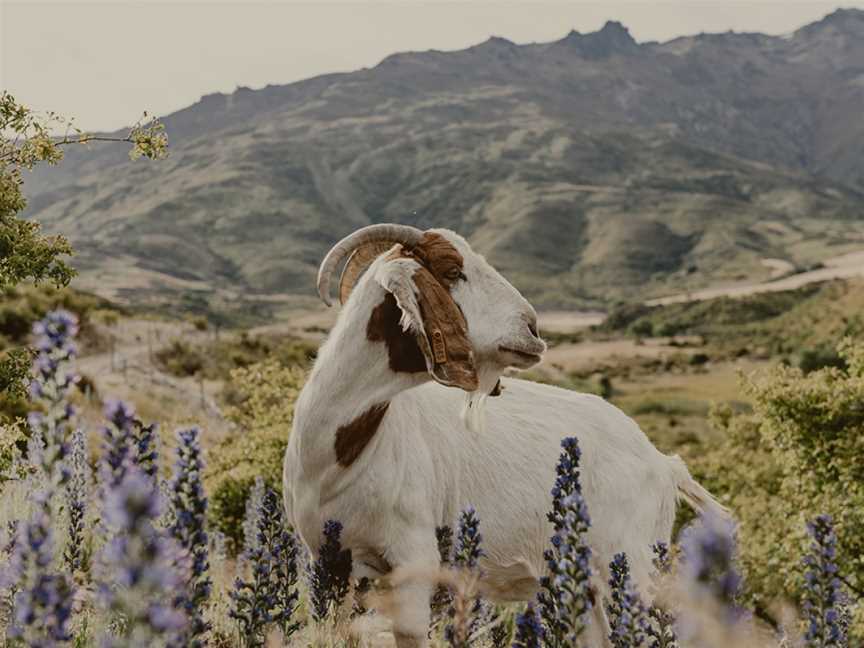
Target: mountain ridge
(659, 166)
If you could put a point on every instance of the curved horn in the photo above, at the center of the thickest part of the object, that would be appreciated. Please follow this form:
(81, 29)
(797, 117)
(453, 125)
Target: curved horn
(404, 234)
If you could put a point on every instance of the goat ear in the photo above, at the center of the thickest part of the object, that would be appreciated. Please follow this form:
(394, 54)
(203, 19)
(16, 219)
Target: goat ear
(436, 322)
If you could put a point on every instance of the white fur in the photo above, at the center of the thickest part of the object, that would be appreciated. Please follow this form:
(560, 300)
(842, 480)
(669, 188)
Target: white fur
(424, 465)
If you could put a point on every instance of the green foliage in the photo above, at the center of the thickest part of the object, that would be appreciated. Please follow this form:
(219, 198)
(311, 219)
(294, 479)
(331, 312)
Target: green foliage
(216, 360)
(265, 394)
(181, 359)
(798, 454)
(805, 323)
(12, 439)
(700, 317)
(26, 254)
(19, 308)
(820, 357)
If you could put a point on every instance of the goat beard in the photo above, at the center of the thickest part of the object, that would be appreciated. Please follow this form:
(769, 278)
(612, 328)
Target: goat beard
(474, 409)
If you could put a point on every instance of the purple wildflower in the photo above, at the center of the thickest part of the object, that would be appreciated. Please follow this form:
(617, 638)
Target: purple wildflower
(441, 599)
(468, 551)
(189, 505)
(564, 598)
(270, 596)
(708, 571)
(662, 558)
(76, 500)
(566, 480)
(53, 377)
(661, 630)
(529, 629)
(119, 447)
(466, 557)
(42, 603)
(625, 610)
(328, 578)
(709, 557)
(139, 566)
(145, 440)
(822, 589)
(43, 598)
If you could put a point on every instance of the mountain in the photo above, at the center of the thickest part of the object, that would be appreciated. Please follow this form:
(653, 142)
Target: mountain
(587, 169)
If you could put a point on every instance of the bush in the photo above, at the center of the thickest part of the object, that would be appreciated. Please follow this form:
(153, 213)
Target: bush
(642, 328)
(264, 396)
(819, 358)
(181, 359)
(216, 360)
(797, 454)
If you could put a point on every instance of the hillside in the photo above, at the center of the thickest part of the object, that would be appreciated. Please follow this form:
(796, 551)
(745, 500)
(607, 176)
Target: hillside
(588, 169)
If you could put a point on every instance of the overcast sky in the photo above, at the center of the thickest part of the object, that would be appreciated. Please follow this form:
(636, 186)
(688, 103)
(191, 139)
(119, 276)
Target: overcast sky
(104, 62)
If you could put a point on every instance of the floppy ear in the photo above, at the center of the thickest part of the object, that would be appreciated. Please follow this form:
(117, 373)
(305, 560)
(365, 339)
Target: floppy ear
(429, 313)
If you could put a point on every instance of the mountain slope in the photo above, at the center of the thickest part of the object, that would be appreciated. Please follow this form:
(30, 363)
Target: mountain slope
(586, 169)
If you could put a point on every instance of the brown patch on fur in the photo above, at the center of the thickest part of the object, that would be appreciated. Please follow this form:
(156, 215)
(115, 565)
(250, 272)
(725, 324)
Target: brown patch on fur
(446, 345)
(438, 256)
(402, 349)
(353, 437)
(447, 332)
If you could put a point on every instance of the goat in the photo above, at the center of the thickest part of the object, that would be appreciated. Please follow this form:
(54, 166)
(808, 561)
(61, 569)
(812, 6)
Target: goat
(384, 441)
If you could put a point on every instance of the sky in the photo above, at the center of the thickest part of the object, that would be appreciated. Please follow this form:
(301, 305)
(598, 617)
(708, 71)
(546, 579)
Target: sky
(105, 62)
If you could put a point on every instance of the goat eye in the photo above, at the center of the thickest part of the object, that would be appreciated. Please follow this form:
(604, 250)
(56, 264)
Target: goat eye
(455, 274)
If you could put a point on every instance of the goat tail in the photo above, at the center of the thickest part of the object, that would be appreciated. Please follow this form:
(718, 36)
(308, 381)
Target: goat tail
(692, 492)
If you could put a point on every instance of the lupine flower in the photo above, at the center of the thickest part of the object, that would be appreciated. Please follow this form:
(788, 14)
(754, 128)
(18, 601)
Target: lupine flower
(566, 480)
(119, 449)
(709, 558)
(661, 630)
(662, 558)
(822, 589)
(626, 612)
(52, 380)
(77, 493)
(441, 598)
(708, 576)
(271, 595)
(282, 547)
(467, 619)
(529, 629)
(43, 599)
(42, 603)
(189, 506)
(328, 580)
(146, 443)
(139, 568)
(252, 599)
(565, 593)
(468, 551)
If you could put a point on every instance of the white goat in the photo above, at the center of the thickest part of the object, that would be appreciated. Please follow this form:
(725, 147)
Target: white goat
(379, 443)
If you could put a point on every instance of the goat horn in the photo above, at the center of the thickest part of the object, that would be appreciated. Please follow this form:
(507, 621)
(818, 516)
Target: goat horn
(404, 234)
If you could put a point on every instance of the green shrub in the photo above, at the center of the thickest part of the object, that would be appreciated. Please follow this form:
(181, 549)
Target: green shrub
(819, 358)
(642, 328)
(263, 396)
(181, 359)
(797, 455)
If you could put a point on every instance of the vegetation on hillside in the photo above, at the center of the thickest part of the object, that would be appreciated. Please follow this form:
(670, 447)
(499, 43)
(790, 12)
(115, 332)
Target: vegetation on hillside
(589, 169)
(20, 308)
(162, 577)
(27, 139)
(799, 451)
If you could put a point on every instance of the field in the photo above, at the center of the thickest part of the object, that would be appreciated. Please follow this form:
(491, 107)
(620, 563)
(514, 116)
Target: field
(680, 369)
